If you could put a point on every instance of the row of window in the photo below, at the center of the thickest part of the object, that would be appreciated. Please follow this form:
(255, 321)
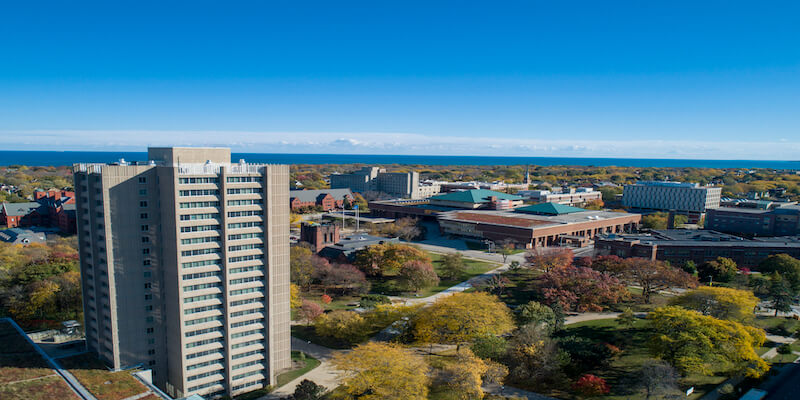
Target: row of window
(251, 224)
(248, 384)
(203, 331)
(245, 269)
(241, 179)
(244, 191)
(203, 375)
(195, 217)
(240, 236)
(202, 320)
(204, 239)
(202, 353)
(200, 228)
(200, 204)
(245, 312)
(201, 286)
(203, 342)
(189, 181)
(246, 374)
(246, 213)
(246, 258)
(204, 263)
(245, 333)
(243, 302)
(250, 246)
(247, 364)
(202, 364)
(247, 280)
(246, 202)
(198, 192)
(205, 385)
(244, 291)
(200, 275)
(245, 344)
(195, 299)
(201, 309)
(246, 323)
(246, 354)
(199, 252)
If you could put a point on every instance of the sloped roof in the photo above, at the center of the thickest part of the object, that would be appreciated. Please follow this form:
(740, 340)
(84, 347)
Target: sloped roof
(20, 209)
(475, 196)
(312, 195)
(549, 209)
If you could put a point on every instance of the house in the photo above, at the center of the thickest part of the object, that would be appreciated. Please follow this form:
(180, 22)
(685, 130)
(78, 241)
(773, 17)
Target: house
(326, 199)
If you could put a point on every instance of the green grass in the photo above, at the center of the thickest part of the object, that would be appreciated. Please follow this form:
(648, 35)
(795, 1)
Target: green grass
(622, 372)
(391, 285)
(47, 388)
(104, 384)
(308, 334)
(18, 359)
(777, 325)
(309, 363)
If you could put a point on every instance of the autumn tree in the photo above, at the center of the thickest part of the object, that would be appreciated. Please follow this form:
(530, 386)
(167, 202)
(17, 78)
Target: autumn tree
(340, 324)
(610, 265)
(591, 385)
(461, 317)
(655, 221)
(548, 259)
(295, 301)
(300, 266)
(784, 264)
(464, 376)
(453, 266)
(341, 278)
(720, 270)
(658, 378)
(416, 275)
(779, 293)
(506, 248)
(309, 311)
(382, 371)
(626, 318)
(696, 343)
(653, 276)
(719, 302)
(582, 289)
(387, 258)
(535, 359)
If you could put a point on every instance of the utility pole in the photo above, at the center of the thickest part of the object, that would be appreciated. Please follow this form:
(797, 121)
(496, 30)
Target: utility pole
(356, 208)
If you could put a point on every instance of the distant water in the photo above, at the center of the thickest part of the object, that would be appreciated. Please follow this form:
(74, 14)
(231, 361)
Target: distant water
(58, 158)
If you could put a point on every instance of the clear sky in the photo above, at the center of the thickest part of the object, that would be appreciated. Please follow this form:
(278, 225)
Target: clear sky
(641, 79)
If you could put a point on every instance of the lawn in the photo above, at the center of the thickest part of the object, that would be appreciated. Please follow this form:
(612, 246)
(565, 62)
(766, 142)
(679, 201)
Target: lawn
(308, 363)
(104, 384)
(308, 334)
(46, 388)
(777, 325)
(621, 373)
(391, 285)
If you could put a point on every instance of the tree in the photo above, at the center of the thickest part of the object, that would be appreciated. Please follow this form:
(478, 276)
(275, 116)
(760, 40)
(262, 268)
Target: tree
(582, 289)
(462, 317)
(387, 258)
(594, 205)
(465, 375)
(548, 259)
(496, 284)
(784, 264)
(658, 378)
(300, 265)
(417, 275)
(514, 266)
(780, 294)
(626, 318)
(535, 359)
(309, 311)
(538, 315)
(689, 267)
(696, 343)
(489, 347)
(506, 248)
(591, 385)
(295, 301)
(340, 324)
(342, 278)
(719, 302)
(308, 390)
(610, 265)
(374, 371)
(655, 221)
(654, 275)
(721, 270)
(453, 266)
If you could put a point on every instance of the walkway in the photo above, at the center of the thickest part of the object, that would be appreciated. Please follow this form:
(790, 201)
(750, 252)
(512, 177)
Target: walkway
(323, 374)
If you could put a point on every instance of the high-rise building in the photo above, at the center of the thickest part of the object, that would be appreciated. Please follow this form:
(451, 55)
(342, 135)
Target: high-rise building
(400, 184)
(185, 268)
(689, 199)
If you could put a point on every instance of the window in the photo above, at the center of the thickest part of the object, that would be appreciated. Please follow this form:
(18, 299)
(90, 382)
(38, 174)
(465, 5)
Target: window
(197, 180)
(142, 192)
(148, 308)
(145, 239)
(146, 262)
(148, 297)
(145, 228)
(152, 362)
(147, 274)
(148, 285)
(143, 216)
(142, 179)
(151, 351)
(149, 330)
(142, 203)
(199, 192)
(145, 251)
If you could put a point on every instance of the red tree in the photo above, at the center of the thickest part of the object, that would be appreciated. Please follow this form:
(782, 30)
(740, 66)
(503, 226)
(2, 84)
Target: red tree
(582, 289)
(310, 310)
(548, 259)
(591, 385)
(653, 276)
(326, 299)
(418, 274)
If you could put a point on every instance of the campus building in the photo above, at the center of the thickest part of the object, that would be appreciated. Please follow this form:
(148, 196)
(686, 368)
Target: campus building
(326, 199)
(688, 199)
(681, 245)
(750, 222)
(374, 179)
(539, 225)
(572, 197)
(185, 268)
(51, 208)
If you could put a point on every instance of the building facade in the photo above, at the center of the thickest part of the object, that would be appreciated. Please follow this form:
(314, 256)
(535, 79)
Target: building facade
(374, 179)
(319, 235)
(326, 199)
(751, 222)
(671, 196)
(185, 268)
(573, 197)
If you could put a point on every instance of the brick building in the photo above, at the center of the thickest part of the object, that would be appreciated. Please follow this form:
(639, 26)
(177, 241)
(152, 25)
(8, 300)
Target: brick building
(319, 235)
(52, 208)
(326, 199)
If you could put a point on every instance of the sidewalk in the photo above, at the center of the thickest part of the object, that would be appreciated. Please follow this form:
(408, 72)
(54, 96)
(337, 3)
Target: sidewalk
(324, 374)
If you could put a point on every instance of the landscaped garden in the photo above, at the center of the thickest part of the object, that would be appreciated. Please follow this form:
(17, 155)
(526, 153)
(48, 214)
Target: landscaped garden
(102, 383)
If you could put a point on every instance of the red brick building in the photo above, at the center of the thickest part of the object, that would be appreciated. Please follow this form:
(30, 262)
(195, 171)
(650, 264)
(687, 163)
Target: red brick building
(327, 199)
(53, 208)
(319, 235)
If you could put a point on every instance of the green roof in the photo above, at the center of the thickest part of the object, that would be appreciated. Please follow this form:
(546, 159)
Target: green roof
(475, 196)
(549, 209)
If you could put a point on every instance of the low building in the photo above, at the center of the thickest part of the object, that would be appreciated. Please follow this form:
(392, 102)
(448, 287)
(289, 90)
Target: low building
(326, 199)
(539, 225)
(688, 199)
(14, 215)
(319, 235)
(572, 197)
(345, 250)
(22, 236)
(53, 208)
(447, 187)
(475, 199)
(680, 245)
(751, 222)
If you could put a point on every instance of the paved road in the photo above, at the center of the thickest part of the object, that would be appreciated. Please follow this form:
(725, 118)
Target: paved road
(324, 374)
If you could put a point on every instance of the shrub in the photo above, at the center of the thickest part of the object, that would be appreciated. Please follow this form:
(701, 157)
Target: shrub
(785, 349)
(372, 300)
(326, 299)
(591, 385)
(489, 347)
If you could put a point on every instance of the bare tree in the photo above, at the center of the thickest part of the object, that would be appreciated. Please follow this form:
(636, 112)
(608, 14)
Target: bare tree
(659, 379)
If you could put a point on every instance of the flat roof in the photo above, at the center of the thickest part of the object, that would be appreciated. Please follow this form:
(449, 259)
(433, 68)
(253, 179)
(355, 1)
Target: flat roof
(512, 218)
(475, 196)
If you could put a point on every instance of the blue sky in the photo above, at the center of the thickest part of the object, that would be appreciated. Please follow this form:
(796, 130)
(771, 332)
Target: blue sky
(614, 79)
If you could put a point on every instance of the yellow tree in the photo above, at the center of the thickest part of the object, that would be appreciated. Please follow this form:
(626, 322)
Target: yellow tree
(465, 375)
(720, 302)
(295, 301)
(342, 325)
(461, 317)
(696, 343)
(376, 371)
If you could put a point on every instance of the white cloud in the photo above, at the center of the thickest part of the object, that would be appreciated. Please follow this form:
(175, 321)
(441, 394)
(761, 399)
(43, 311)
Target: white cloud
(399, 143)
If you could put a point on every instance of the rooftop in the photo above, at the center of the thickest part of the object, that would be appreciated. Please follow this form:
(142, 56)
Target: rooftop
(689, 237)
(311, 195)
(548, 209)
(22, 236)
(21, 209)
(475, 196)
(526, 220)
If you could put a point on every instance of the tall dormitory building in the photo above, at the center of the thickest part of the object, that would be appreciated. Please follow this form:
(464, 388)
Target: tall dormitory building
(185, 268)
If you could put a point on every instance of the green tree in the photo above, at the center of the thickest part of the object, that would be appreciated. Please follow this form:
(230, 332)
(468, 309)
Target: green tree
(417, 275)
(655, 221)
(626, 318)
(539, 315)
(780, 294)
(535, 359)
(719, 302)
(453, 266)
(301, 266)
(382, 371)
(462, 317)
(721, 270)
(489, 347)
(784, 264)
(308, 390)
(696, 343)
